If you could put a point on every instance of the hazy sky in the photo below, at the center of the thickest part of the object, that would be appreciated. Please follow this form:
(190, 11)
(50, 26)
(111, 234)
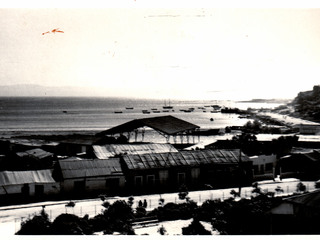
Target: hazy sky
(196, 53)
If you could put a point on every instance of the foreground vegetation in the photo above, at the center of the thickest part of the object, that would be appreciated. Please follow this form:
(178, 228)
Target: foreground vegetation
(232, 216)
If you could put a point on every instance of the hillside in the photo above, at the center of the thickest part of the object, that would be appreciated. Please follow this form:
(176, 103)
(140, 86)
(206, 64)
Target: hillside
(307, 104)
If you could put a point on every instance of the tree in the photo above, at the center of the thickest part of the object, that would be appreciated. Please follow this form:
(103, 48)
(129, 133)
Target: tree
(234, 193)
(283, 145)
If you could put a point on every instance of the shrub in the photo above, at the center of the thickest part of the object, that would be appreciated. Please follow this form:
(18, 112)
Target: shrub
(195, 228)
(173, 211)
(69, 224)
(301, 187)
(38, 225)
(119, 210)
(140, 212)
(162, 230)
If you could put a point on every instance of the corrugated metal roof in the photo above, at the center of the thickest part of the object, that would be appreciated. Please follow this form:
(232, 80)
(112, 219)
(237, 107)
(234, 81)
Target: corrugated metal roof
(22, 177)
(310, 199)
(36, 153)
(90, 168)
(111, 150)
(166, 124)
(313, 156)
(183, 158)
(32, 142)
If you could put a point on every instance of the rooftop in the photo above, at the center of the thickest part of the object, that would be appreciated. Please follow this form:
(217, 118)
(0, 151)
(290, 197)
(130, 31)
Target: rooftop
(183, 158)
(166, 124)
(73, 168)
(111, 150)
(22, 177)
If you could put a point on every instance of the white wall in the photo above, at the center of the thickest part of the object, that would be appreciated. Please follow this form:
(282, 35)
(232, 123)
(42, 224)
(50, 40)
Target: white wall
(91, 184)
(49, 189)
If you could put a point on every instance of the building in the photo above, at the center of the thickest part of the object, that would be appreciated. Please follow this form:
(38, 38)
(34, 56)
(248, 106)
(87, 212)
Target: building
(264, 166)
(80, 177)
(35, 158)
(76, 145)
(195, 169)
(309, 129)
(304, 165)
(168, 126)
(25, 184)
(298, 214)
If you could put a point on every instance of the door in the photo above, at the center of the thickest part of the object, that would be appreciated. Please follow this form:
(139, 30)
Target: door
(79, 187)
(39, 190)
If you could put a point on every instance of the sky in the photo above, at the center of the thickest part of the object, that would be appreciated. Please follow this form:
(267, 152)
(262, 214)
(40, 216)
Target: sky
(164, 53)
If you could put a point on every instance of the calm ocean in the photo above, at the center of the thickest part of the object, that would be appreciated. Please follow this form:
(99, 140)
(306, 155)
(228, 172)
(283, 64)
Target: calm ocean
(74, 114)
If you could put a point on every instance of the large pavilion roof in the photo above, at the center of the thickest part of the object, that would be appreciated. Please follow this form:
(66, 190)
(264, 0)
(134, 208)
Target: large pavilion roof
(166, 124)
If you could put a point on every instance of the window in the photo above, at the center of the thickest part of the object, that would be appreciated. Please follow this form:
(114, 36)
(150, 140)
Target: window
(25, 190)
(255, 169)
(163, 176)
(269, 167)
(195, 173)
(112, 183)
(138, 181)
(150, 180)
(181, 178)
(79, 186)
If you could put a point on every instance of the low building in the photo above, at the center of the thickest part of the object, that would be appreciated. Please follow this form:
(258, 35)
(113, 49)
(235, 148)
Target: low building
(79, 177)
(309, 129)
(36, 158)
(75, 146)
(112, 150)
(304, 165)
(195, 169)
(25, 184)
(168, 126)
(21, 145)
(264, 166)
(297, 215)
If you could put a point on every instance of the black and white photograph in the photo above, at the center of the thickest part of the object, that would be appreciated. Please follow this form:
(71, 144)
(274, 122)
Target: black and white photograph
(164, 120)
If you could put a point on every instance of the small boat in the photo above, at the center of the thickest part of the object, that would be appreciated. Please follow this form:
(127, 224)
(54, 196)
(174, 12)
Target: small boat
(65, 111)
(167, 106)
(145, 112)
(156, 111)
(165, 110)
(117, 111)
(129, 108)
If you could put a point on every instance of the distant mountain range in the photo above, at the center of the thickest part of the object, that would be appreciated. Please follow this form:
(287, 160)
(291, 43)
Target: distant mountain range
(42, 91)
(262, 100)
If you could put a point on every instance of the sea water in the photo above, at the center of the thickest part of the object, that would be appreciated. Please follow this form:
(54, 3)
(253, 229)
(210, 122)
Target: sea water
(75, 114)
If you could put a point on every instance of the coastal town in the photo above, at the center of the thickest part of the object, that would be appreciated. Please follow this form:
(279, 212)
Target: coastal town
(271, 147)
